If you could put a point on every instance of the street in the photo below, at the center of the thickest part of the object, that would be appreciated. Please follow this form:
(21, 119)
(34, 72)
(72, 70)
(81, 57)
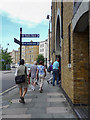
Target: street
(7, 79)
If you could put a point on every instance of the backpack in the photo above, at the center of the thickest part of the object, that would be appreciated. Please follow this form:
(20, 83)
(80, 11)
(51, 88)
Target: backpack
(48, 69)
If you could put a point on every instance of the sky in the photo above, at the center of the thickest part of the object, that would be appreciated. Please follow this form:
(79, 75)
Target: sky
(30, 15)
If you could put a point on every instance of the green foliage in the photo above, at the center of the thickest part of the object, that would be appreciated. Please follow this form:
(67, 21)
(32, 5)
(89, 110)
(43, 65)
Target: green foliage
(40, 58)
(5, 56)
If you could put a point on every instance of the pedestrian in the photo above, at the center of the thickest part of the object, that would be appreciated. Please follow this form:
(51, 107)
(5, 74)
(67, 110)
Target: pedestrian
(51, 72)
(21, 70)
(33, 71)
(56, 71)
(41, 73)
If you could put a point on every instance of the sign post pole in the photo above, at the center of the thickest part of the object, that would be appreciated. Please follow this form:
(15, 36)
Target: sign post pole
(26, 43)
(20, 43)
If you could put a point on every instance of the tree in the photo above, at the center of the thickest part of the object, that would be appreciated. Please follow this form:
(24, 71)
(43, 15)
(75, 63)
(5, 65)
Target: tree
(5, 59)
(40, 58)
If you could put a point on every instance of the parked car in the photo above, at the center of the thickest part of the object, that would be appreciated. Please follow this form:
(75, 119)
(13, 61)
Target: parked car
(12, 65)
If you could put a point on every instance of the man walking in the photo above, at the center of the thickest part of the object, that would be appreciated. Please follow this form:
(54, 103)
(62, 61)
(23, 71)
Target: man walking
(33, 71)
(56, 71)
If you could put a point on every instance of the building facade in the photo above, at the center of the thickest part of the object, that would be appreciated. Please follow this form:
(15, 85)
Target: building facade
(44, 50)
(70, 42)
(15, 56)
(29, 54)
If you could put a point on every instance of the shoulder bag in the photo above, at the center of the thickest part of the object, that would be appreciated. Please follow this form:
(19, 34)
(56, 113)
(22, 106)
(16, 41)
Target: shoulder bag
(20, 78)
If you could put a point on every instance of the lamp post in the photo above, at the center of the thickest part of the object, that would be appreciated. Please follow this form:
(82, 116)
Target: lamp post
(48, 17)
(7, 46)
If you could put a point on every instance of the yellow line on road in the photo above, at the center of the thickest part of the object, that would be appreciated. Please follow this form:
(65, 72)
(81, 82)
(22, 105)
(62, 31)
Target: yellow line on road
(8, 90)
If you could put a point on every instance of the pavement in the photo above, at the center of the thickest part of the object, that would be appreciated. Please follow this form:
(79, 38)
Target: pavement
(50, 104)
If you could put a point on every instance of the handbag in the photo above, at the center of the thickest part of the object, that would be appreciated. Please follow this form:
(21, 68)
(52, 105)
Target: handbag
(20, 79)
(30, 74)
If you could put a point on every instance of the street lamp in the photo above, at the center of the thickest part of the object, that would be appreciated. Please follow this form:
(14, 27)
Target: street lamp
(7, 46)
(48, 17)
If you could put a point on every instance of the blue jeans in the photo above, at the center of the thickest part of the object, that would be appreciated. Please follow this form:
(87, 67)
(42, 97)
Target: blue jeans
(55, 73)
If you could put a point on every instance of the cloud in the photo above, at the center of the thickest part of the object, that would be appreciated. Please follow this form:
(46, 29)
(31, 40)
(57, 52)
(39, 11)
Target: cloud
(26, 11)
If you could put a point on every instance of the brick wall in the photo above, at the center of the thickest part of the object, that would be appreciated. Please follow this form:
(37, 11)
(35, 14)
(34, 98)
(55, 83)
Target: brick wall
(67, 73)
(74, 80)
(81, 53)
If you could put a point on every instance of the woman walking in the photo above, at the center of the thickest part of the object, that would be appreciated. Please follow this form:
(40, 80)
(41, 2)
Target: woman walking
(22, 70)
(41, 72)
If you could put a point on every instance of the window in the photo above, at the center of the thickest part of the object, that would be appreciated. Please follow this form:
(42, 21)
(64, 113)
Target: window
(41, 50)
(42, 45)
(69, 41)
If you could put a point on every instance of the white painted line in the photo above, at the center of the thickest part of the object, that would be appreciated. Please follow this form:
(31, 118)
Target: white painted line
(8, 90)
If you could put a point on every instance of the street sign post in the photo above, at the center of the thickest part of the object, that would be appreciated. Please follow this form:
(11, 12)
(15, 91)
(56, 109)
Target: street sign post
(21, 43)
(30, 43)
(26, 43)
(30, 35)
(16, 41)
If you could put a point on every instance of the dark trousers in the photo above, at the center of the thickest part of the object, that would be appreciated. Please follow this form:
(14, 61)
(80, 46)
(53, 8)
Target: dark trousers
(55, 73)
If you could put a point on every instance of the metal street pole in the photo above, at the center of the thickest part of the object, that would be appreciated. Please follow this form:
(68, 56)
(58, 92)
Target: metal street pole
(20, 43)
(48, 17)
(49, 42)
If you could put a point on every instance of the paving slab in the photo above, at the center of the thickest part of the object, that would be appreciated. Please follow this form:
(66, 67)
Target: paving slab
(55, 99)
(17, 116)
(36, 110)
(14, 111)
(42, 116)
(58, 104)
(54, 94)
(64, 115)
(20, 105)
(57, 109)
(17, 100)
(41, 104)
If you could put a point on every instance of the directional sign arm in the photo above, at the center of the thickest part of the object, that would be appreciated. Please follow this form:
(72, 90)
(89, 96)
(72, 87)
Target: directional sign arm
(17, 41)
(31, 35)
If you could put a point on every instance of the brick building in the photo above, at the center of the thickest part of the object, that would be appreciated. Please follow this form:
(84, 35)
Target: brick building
(70, 42)
(29, 54)
(15, 56)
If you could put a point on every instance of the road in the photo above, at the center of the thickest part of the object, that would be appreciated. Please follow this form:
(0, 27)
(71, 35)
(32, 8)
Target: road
(7, 80)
